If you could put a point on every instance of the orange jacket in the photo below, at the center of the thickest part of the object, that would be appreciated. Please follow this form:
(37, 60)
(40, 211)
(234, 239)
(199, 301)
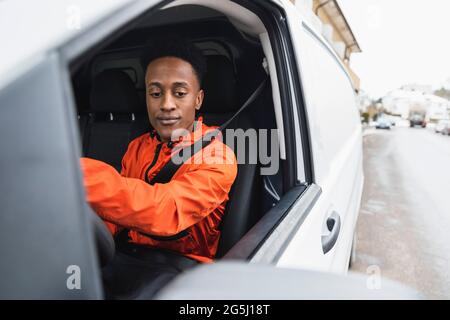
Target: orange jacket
(195, 198)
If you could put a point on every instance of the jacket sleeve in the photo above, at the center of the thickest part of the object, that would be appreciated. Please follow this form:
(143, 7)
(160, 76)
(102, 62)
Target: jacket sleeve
(161, 209)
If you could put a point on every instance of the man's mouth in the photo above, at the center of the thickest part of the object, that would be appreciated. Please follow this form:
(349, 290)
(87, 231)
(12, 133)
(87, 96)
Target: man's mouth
(168, 121)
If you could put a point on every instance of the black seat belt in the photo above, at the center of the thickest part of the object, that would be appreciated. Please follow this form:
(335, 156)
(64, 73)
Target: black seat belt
(170, 168)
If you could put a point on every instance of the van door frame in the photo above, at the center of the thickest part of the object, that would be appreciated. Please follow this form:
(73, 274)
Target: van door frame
(302, 194)
(267, 240)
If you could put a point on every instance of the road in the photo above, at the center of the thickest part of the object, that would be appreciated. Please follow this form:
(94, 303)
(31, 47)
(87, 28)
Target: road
(404, 222)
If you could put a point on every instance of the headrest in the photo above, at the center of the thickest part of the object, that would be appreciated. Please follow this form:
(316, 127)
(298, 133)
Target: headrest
(219, 85)
(113, 91)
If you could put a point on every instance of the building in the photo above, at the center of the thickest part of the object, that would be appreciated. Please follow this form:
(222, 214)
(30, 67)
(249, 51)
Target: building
(425, 89)
(412, 98)
(328, 17)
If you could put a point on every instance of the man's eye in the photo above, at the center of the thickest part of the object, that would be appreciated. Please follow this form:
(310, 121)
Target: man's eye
(180, 94)
(155, 94)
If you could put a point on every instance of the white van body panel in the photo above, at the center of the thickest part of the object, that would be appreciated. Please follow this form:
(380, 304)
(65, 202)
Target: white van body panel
(336, 141)
(335, 130)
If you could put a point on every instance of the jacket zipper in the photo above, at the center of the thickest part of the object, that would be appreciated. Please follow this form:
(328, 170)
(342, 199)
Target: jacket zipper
(155, 158)
(177, 236)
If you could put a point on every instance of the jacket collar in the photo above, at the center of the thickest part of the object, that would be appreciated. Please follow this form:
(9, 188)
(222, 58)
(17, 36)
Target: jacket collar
(195, 134)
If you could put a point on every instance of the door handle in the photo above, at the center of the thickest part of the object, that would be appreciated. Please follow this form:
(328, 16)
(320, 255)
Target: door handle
(331, 233)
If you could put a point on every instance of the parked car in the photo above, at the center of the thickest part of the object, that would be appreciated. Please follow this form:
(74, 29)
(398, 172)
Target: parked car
(302, 216)
(417, 120)
(383, 123)
(442, 126)
(446, 130)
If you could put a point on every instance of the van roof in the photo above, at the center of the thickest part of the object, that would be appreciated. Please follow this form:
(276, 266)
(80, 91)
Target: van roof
(29, 29)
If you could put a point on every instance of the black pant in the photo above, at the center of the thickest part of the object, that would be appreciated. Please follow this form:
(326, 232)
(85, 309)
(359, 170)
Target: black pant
(139, 272)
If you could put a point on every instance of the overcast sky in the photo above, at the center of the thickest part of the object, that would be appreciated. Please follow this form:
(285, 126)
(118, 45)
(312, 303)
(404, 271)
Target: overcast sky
(403, 42)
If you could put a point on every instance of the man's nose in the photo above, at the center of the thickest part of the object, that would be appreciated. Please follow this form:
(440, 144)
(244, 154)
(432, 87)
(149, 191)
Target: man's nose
(168, 103)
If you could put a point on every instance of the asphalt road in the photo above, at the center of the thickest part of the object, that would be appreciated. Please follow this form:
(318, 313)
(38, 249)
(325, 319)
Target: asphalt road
(404, 222)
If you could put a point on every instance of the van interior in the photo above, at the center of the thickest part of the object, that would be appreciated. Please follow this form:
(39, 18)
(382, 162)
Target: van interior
(110, 99)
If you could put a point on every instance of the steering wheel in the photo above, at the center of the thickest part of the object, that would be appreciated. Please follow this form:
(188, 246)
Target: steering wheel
(104, 241)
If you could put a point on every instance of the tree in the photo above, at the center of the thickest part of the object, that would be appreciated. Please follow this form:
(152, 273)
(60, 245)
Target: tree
(443, 93)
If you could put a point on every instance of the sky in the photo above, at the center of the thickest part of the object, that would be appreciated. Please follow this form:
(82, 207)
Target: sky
(403, 42)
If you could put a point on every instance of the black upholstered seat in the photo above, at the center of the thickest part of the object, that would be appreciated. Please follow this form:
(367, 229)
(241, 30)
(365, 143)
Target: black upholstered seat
(219, 105)
(115, 118)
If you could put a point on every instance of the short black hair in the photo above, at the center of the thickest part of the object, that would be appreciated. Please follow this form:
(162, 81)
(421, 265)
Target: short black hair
(178, 48)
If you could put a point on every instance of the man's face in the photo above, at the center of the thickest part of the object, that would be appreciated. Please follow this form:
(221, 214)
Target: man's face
(173, 95)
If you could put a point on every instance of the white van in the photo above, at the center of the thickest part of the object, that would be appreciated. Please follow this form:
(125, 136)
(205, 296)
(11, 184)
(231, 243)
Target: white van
(302, 216)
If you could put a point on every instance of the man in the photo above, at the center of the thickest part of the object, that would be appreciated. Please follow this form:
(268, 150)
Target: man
(165, 228)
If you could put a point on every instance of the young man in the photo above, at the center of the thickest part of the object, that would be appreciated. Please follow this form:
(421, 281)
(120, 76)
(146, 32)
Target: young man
(172, 226)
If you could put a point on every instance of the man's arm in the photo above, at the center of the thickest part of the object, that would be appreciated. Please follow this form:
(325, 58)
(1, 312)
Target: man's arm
(161, 209)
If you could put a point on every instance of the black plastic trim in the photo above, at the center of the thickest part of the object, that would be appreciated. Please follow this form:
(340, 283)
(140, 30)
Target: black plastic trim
(271, 17)
(256, 236)
(302, 110)
(177, 236)
(276, 243)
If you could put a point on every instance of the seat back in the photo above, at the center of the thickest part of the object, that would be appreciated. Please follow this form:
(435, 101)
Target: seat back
(219, 105)
(115, 118)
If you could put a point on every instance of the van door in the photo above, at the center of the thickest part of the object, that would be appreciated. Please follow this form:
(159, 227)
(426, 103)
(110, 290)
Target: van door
(324, 242)
(46, 240)
(46, 231)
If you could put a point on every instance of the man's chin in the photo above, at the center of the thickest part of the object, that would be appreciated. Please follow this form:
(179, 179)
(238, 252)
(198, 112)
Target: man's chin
(178, 132)
(172, 134)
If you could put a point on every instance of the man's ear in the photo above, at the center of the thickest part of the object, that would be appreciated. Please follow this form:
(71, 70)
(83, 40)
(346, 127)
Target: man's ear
(199, 100)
